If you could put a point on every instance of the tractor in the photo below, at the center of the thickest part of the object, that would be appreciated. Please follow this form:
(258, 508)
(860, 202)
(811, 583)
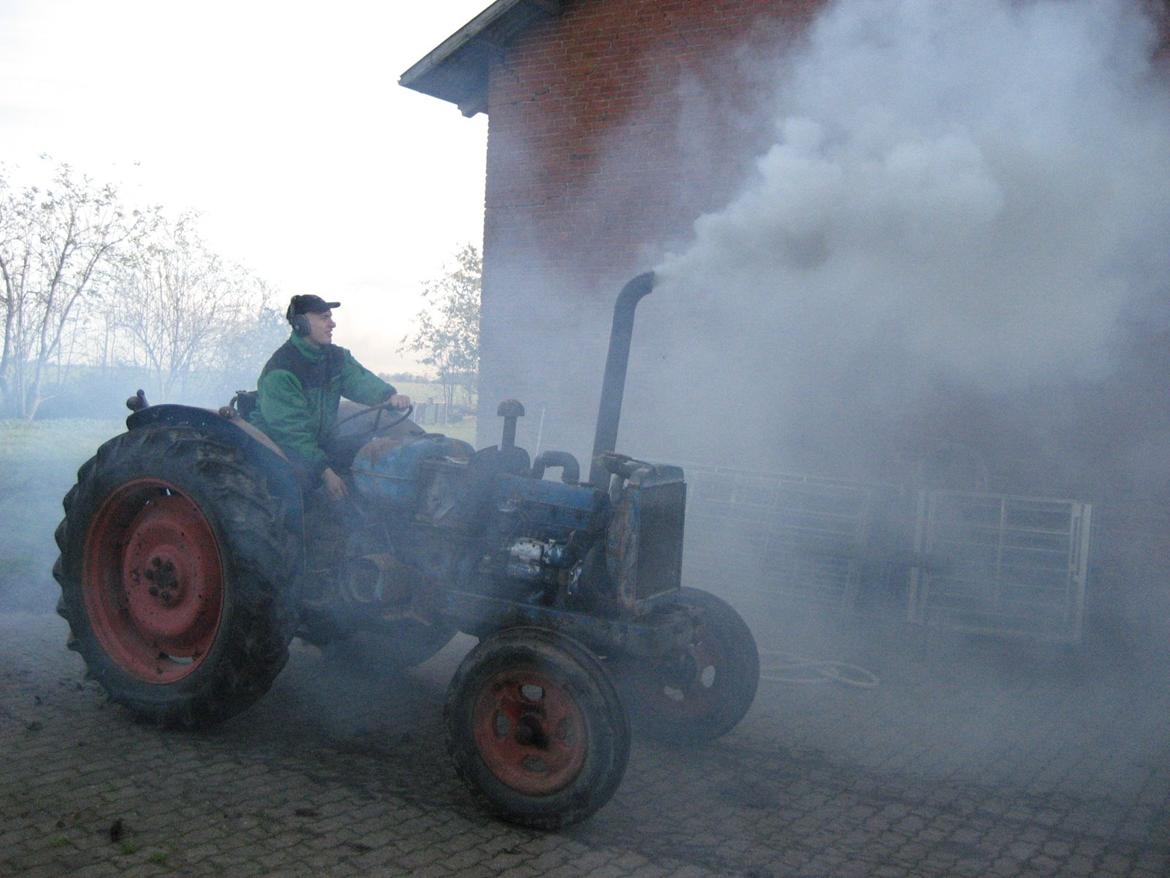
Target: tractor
(190, 559)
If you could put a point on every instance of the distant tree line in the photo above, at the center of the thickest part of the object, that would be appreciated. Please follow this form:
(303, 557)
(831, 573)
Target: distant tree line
(87, 279)
(446, 336)
(91, 284)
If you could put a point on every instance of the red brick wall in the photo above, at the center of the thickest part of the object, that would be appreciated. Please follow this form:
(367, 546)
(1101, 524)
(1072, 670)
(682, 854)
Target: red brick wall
(612, 127)
(562, 92)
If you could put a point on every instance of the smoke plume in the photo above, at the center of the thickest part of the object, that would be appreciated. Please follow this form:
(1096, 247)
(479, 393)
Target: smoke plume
(975, 190)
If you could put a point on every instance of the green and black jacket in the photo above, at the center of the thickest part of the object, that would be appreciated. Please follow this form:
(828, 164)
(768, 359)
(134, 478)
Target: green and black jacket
(298, 393)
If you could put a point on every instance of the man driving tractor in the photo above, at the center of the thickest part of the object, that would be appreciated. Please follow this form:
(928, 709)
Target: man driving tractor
(300, 388)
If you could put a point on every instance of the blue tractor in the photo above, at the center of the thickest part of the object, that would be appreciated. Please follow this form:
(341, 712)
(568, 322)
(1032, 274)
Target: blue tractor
(189, 560)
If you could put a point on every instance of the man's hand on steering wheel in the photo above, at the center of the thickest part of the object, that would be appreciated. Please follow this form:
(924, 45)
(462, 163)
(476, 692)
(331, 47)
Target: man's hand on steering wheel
(398, 401)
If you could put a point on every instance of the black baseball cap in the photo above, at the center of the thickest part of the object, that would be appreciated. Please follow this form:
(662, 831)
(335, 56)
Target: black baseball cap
(310, 305)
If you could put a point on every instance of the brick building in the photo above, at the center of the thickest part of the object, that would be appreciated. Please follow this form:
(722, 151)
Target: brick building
(587, 102)
(613, 125)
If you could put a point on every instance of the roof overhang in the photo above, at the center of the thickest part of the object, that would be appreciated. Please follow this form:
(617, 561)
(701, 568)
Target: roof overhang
(457, 70)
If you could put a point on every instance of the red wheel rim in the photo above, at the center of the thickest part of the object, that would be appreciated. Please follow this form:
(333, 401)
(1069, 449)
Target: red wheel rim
(152, 581)
(530, 732)
(687, 686)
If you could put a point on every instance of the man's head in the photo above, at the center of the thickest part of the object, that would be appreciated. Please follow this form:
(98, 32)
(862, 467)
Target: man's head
(312, 318)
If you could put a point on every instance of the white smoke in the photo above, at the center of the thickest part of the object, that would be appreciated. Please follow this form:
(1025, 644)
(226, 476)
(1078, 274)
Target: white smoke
(981, 189)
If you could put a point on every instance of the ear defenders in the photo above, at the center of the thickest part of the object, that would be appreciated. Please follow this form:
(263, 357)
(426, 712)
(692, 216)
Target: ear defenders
(300, 322)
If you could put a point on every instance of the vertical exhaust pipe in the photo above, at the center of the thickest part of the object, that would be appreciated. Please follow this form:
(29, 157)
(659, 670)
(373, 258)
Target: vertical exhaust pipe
(613, 385)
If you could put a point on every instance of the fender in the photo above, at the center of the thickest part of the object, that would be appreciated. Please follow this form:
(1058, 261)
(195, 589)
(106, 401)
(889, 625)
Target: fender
(259, 450)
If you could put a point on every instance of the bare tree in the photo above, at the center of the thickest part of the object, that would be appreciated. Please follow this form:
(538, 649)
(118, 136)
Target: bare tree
(55, 245)
(448, 329)
(247, 343)
(183, 306)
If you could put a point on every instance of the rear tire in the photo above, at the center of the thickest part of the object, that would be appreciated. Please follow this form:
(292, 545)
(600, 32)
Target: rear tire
(178, 572)
(536, 728)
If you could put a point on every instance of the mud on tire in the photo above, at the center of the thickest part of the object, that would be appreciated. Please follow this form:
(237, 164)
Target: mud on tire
(536, 729)
(178, 571)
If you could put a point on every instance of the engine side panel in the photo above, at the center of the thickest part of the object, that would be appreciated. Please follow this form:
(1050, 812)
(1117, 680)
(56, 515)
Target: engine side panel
(546, 510)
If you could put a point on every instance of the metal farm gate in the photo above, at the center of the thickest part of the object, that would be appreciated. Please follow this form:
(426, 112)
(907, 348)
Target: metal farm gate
(795, 538)
(977, 562)
(1001, 564)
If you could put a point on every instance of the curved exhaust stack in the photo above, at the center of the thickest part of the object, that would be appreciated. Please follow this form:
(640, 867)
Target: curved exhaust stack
(613, 386)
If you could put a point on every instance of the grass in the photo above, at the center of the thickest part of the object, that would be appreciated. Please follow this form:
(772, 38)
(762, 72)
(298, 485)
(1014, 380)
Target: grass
(61, 441)
(38, 464)
(421, 393)
(464, 429)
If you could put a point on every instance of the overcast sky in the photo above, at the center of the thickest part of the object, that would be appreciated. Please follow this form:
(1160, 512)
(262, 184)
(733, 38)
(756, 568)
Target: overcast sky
(281, 121)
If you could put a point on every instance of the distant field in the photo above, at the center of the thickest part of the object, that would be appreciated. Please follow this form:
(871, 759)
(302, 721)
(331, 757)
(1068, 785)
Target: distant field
(65, 442)
(421, 392)
(38, 464)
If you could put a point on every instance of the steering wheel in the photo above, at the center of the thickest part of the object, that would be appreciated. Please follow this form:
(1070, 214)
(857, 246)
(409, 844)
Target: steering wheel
(379, 408)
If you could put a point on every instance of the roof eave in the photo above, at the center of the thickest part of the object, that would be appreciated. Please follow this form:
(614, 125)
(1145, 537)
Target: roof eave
(457, 69)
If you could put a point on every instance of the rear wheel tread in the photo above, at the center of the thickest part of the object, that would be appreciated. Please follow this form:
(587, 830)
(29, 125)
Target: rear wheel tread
(258, 550)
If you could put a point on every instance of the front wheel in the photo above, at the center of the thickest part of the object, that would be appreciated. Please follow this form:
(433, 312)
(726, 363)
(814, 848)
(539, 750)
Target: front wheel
(536, 728)
(702, 692)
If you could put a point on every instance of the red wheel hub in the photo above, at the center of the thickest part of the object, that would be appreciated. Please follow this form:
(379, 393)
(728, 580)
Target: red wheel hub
(530, 732)
(153, 581)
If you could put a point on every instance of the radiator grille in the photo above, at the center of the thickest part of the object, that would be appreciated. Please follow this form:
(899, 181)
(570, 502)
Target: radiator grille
(660, 538)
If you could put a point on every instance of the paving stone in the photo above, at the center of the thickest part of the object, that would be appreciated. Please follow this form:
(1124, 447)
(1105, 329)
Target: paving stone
(521, 871)
(825, 782)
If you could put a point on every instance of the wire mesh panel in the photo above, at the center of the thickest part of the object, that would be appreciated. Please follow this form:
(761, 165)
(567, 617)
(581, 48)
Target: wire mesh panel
(999, 564)
(792, 537)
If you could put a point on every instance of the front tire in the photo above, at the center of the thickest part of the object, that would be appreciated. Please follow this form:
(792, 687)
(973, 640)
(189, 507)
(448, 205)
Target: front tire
(703, 692)
(178, 573)
(536, 728)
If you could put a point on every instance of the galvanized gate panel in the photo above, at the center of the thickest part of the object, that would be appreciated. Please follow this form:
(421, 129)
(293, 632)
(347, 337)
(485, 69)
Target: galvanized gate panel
(792, 537)
(999, 564)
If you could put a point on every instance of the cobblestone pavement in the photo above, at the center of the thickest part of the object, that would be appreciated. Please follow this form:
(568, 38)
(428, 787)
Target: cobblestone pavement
(967, 758)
